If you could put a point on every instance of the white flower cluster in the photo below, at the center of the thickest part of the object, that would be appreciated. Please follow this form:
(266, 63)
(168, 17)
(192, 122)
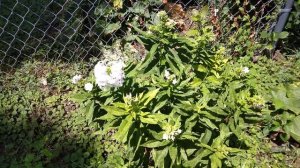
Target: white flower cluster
(168, 77)
(109, 74)
(76, 79)
(88, 87)
(44, 81)
(171, 135)
(245, 70)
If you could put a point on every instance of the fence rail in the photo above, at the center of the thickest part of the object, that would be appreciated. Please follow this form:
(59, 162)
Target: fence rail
(77, 29)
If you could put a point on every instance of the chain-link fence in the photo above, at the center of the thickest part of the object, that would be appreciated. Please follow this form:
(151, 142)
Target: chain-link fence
(77, 29)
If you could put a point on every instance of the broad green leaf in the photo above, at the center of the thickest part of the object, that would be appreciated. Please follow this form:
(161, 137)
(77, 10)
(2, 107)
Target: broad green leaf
(293, 128)
(80, 97)
(188, 135)
(106, 117)
(205, 137)
(90, 107)
(177, 59)
(149, 120)
(283, 35)
(159, 157)
(217, 110)
(173, 153)
(215, 162)
(157, 136)
(183, 154)
(201, 68)
(122, 133)
(155, 144)
(282, 101)
(114, 110)
(214, 80)
(145, 63)
(208, 123)
(149, 96)
(172, 65)
(195, 161)
(160, 105)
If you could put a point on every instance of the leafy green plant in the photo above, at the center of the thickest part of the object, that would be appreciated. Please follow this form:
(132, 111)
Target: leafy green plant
(182, 105)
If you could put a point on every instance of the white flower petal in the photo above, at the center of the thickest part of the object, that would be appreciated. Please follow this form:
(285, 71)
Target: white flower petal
(76, 78)
(44, 81)
(165, 136)
(245, 70)
(167, 74)
(174, 81)
(88, 87)
(114, 79)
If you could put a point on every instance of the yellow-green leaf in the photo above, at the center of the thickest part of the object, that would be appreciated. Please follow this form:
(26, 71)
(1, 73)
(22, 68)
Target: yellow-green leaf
(118, 4)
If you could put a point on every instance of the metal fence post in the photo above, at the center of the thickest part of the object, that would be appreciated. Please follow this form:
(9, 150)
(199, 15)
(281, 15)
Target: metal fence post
(283, 17)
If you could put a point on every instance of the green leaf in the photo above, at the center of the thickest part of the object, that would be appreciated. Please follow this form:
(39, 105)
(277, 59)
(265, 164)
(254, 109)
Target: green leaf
(114, 110)
(159, 157)
(264, 35)
(208, 123)
(149, 96)
(173, 153)
(160, 105)
(183, 154)
(282, 101)
(117, 4)
(188, 135)
(177, 59)
(293, 128)
(202, 68)
(283, 35)
(155, 144)
(90, 108)
(107, 117)
(149, 120)
(145, 63)
(205, 137)
(215, 162)
(172, 65)
(80, 97)
(122, 133)
(110, 28)
(195, 161)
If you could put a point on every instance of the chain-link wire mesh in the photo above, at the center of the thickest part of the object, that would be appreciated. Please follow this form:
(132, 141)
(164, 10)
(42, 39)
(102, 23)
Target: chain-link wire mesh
(77, 29)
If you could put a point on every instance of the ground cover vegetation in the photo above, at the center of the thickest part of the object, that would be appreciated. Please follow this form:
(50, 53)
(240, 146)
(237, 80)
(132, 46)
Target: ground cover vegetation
(157, 98)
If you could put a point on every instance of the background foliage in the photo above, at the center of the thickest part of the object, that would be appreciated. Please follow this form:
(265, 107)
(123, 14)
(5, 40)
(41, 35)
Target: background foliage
(222, 104)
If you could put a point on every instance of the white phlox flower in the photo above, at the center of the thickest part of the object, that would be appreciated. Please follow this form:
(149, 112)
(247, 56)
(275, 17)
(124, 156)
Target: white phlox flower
(174, 81)
(76, 78)
(245, 70)
(171, 135)
(109, 74)
(167, 74)
(88, 87)
(165, 136)
(44, 81)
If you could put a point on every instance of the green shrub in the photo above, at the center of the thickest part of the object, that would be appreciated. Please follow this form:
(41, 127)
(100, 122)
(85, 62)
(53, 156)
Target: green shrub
(185, 104)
